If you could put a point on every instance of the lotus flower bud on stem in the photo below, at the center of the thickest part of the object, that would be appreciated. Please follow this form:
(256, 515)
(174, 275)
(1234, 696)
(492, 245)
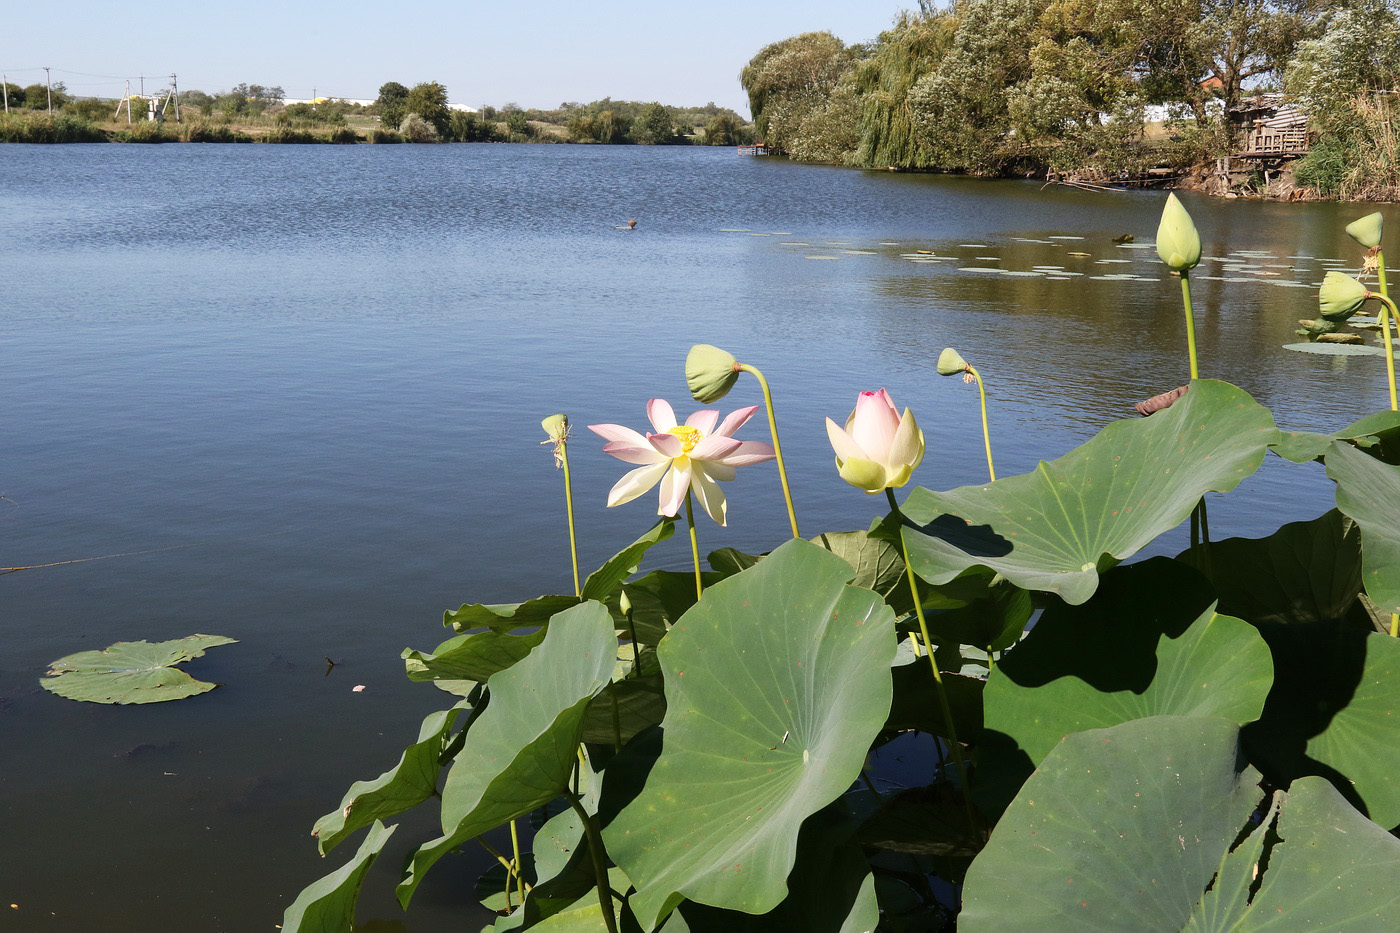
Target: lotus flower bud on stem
(950, 363)
(1367, 230)
(557, 429)
(710, 372)
(879, 448)
(1178, 243)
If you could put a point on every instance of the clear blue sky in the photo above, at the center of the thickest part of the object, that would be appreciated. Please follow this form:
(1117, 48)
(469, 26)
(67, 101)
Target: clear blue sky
(534, 54)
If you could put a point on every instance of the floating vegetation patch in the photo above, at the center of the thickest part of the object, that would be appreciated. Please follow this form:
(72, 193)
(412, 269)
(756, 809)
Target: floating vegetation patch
(1020, 273)
(973, 245)
(1137, 245)
(132, 671)
(978, 269)
(1065, 237)
(1335, 349)
(821, 257)
(1085, 255)
(734, 230)
(860, 252)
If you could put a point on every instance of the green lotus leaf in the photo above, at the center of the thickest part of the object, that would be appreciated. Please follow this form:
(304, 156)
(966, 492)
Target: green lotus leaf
(328, 905)
(132, 671)
(776, 682)
(1147, 644)
(605, 582)
(503, 617)
(407, 784)
(470, 657)
(1303, 572)
(1368, 491)
(1118, 829)
(729, 561)
(1058, 527)
(1334, 349)
(1378, 434)
(877, 563)
(624, 708)
(831, 889)
(660, 598)
(521, 750)
(1320, 876)
(1362, 742)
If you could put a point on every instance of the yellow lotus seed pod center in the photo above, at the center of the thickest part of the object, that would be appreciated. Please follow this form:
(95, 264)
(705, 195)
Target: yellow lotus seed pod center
(689, 436)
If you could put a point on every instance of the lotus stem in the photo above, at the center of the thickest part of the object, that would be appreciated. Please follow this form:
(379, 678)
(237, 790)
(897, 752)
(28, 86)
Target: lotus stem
(515, 860)
(1190, 324)
(694, 545)
(986, 432)
(505, 863)
(1388, 314)
(569, 504)
(777, 447)
(953, 744)
(600, 869)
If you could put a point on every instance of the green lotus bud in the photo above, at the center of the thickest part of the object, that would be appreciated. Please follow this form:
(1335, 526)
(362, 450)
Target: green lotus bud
(710, 372)
(556, 426)
(1340, 296)
(624, 604)
(1367, 230)
(950, 362)
(1178, 243)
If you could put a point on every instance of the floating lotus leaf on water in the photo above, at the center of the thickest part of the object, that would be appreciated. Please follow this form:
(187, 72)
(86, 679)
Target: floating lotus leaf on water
(132, 671)
(973, 245)
(1017, 272)
(821, 257)
(1064, 237)
(978, 269)
(1334, 349)
(734, 230)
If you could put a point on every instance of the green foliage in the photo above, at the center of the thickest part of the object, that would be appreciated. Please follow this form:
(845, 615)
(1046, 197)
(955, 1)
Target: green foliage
(201, 132)
(146, 131)
(429, 102)
(27, 127)
(1147, 755)
(415, 129)
(384, 136)
(889, 134)
(389, 105)
(132, 671)
(787, 80)
(15, 95)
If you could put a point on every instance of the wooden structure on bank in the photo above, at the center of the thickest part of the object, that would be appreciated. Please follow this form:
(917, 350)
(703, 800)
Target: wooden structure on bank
(1264, 127)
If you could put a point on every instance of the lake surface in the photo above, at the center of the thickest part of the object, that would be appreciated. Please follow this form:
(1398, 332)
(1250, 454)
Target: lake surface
(297, 390)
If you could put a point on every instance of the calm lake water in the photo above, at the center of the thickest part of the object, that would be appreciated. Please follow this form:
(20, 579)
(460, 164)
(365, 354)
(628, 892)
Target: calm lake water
(296, 390)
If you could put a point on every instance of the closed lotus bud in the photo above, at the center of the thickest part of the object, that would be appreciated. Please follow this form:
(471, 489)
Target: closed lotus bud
(710, 372)
(878, 448)
(556, 426)
(1367, 231)
(624, 604)
(950, 362)
(1178, 243)
(1340, 296)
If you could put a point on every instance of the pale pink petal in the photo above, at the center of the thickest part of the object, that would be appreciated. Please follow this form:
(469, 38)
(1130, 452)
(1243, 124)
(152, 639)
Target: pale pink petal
(673, 489)
(704, 420)
(714, 447)
(908, 446)
(748, 453)
(736, 420)
(716, 470)
(710, 495)
(631, 454)
(875, 425)
(841, 442)
(668, 445)
(618, 434)
(662, 415)
(889, 402)
(636, 482)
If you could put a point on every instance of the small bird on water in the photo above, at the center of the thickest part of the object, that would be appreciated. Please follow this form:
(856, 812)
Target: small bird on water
(631, 225)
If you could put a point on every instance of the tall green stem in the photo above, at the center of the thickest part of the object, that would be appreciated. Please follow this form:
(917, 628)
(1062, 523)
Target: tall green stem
(569, 502)
(986, 432)
(953, 744)
(515, 856)
(1190, 324)
(694, 545)
(600, 868)
(1388, 315)
(1390, 372)
(777, 447)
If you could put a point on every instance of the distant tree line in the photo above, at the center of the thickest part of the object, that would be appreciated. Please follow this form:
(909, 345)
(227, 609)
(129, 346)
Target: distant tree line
(1011, 86)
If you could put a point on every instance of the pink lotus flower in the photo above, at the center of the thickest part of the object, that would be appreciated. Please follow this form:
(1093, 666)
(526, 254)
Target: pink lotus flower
(681, 457)
(879, 448)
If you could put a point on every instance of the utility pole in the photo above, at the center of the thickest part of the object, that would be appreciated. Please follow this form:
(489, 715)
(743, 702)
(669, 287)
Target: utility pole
(313, 97)
(175, 89)
(48, 80)
(5, 86)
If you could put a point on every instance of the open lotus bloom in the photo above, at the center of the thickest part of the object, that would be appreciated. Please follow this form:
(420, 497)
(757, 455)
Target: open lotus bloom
(878, 448)
(681, 457)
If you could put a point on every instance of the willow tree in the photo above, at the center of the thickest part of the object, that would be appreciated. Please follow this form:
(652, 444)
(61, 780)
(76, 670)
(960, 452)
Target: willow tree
(787, 80)
(889, 132)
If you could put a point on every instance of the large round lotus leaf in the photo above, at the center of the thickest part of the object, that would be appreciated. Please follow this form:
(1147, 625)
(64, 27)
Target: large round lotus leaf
(470, 657)
(1119, 829)
(1058, 527)
(520, 751)
(1362, 742)
(132, 671)
(1303, 572)
(1146, 644)
(329, 903)
(777, 681)
(1324, 874)
(1378, 433)
(1369, 492)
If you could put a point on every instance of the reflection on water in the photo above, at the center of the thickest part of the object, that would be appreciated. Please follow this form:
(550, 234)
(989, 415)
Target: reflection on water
(300, 388)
